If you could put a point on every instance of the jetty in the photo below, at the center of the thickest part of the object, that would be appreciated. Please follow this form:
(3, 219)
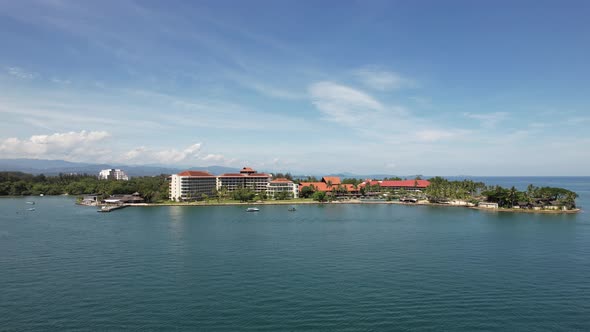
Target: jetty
(109, 208)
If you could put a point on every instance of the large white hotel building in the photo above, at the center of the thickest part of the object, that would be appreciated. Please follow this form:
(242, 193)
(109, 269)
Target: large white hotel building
(112, 174)
(190, 185)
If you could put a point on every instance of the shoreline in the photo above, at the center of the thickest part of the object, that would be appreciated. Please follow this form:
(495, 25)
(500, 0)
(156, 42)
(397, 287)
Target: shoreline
(574, 211)
(287, 202)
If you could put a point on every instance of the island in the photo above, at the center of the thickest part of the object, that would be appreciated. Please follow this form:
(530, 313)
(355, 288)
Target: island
(284, 189)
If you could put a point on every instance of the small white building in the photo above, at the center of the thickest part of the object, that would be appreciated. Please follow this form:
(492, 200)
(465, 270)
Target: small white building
(112, 174)
(282, 185)
(488, 205)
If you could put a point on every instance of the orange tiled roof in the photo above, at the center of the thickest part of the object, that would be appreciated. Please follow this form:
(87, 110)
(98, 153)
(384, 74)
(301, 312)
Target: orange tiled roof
(322, 186)
(278, 180)
(195, 173)
(406, 183)
(334, 179)
(399, 184)
(244, 175)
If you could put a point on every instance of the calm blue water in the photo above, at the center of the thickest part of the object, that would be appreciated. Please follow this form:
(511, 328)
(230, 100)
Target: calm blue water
(331, 267)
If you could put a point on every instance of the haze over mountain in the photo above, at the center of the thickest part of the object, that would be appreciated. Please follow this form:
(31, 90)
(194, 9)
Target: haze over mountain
(53, 167)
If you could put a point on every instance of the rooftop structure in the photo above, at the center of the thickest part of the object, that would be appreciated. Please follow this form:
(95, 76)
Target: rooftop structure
(133, 198)
(247, 178)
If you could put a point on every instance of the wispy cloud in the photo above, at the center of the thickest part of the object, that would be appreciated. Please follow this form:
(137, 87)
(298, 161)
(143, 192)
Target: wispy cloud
(60, 81)
(20, 73)
(165, 156)
(373, 119)
(380, 79)
(266, 89)
(343, 104)
(192, 154)
(434, 135)
(488, 120)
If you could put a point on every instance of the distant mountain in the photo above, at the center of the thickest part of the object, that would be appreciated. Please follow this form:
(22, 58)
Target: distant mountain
(54, 167)
(362, 176)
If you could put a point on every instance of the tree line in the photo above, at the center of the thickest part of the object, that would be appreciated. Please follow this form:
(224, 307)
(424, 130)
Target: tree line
(441, 190)
(152, 188)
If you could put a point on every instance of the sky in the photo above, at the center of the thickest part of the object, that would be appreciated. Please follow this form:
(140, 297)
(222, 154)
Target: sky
(394, 87)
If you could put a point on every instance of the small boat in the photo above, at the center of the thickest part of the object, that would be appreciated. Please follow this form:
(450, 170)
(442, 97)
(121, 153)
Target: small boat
(31, 209)
(252, 210)
(32, 203)
(292, 208)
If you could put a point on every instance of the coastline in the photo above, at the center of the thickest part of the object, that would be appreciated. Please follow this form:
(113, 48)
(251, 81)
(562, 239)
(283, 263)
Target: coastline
(574, 211)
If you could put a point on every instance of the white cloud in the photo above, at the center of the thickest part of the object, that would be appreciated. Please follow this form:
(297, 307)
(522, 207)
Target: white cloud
(433, 135)
(341, 103)
(488, 120)
(380, 79)
(372, 119)
(265, 88)
(213, 157)
(19, 73)
(60, 81)
(143, 154)
(73, 146)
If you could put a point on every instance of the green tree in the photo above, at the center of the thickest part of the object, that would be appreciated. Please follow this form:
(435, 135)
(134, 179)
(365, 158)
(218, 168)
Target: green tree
(243, 194)
(319, 196)
(306, 192)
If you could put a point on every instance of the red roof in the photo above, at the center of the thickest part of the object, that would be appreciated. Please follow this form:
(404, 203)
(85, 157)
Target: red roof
(232, 175)
(260, 175)
(322, 186)
(371, 182)
(244, 175)
(280, 180)
(333, 179)
(196, 173)
(350, 187)
(247, 170)
(406, 183)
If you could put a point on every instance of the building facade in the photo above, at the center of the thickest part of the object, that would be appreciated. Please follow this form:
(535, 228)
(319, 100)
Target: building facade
(112, 174)
(247, 178)
(190, 185)
(281, 185)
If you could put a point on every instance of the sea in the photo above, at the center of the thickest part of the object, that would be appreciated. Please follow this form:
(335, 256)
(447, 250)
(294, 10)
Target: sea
(330, 267)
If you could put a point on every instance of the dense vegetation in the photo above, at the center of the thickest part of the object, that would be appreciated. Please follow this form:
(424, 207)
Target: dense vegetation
(441, 190)
(152, 188)
(533, 196)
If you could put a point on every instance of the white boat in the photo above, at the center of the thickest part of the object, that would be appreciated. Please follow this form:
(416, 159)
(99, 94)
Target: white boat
(32, 203)
(252, 210)
(292, 208)
(31, 209)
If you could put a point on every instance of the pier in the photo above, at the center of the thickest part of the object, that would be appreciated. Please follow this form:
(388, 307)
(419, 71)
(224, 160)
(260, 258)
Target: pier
(109, 208)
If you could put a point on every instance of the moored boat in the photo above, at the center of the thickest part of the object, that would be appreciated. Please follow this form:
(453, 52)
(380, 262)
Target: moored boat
(252, 209)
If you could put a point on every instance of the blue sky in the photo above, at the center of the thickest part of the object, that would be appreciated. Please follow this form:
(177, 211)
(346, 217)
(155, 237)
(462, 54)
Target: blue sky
(398, 87)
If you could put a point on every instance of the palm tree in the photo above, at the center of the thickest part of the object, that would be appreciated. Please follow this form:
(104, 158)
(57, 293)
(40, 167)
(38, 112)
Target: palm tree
(512, 194)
